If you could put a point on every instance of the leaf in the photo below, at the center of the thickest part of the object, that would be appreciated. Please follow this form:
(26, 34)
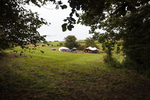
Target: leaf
(131, 8)
(59, 2)
(78, 7)
(65, 20)
(63, 6)
(77, 14)
(78, 21)
(64, 27)
(70, 27)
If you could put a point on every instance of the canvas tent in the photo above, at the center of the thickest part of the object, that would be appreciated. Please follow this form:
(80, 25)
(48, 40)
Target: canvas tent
(74, 49)
(63, 49)
(92, 49)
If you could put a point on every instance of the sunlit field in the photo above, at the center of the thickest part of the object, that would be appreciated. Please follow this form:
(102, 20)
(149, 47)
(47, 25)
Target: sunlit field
(55, 75)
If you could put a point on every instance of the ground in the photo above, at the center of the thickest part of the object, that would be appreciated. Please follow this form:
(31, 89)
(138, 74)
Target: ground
(81, 77)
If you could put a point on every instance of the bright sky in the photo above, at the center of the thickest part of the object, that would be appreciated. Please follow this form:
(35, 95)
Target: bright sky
(56, 17)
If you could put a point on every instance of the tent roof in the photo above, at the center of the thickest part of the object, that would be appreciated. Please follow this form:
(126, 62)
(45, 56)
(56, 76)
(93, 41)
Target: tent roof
(92, 48)
(62, 48)
(74, 48)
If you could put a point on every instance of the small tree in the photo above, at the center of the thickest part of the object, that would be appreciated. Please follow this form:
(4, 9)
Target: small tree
(71, 41)
(81, 47)
(90, 42)
(61, 44)
(108, 44)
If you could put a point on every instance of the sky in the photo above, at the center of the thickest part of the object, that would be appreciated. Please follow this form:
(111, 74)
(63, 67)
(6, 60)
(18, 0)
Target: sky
(55, 17)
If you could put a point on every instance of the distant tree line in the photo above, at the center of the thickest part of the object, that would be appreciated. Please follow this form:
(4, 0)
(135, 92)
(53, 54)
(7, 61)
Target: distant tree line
(70, 42)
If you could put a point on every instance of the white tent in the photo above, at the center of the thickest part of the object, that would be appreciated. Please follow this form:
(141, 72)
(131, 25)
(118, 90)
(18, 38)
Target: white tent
(63, 48)
(92, 48)
(74, 48)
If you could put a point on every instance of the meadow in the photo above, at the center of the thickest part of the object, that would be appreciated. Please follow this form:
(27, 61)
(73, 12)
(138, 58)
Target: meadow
(55, 75)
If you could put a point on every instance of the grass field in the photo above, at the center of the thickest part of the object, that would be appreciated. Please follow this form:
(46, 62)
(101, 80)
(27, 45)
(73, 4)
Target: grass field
(55, 75)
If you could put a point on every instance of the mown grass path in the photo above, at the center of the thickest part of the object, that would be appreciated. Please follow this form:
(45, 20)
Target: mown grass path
(55, 75)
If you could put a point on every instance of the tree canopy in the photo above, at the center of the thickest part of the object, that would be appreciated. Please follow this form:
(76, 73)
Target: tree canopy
(122, 19)
(18, 26)
(96, 11)
(70, 41)
(90, 42)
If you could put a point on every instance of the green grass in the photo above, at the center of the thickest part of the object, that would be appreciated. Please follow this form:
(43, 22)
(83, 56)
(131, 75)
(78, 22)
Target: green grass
(54, 75)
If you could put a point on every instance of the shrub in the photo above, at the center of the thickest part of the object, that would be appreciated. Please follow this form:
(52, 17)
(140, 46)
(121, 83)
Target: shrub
(43, 45)
(130, 64)
(48, 44)
(112, 62)
(81, 47)
(2, 53)
(61, 44)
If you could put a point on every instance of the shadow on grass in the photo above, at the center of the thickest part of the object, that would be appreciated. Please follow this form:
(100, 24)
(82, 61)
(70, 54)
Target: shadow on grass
(110, 84)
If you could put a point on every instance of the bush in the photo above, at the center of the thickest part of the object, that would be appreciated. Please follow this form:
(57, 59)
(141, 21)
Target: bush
(90, 42)
(2, 54)
(81, 47)
(48, 44)
(61, 44)
(130, 64)
(112, 62)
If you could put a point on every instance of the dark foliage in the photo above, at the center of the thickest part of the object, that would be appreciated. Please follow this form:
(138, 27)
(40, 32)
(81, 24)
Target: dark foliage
(18, 26)
(61, 44)
(126, 20)
(137, 38)
(90, 42)
(81, 47)
(70, 42)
